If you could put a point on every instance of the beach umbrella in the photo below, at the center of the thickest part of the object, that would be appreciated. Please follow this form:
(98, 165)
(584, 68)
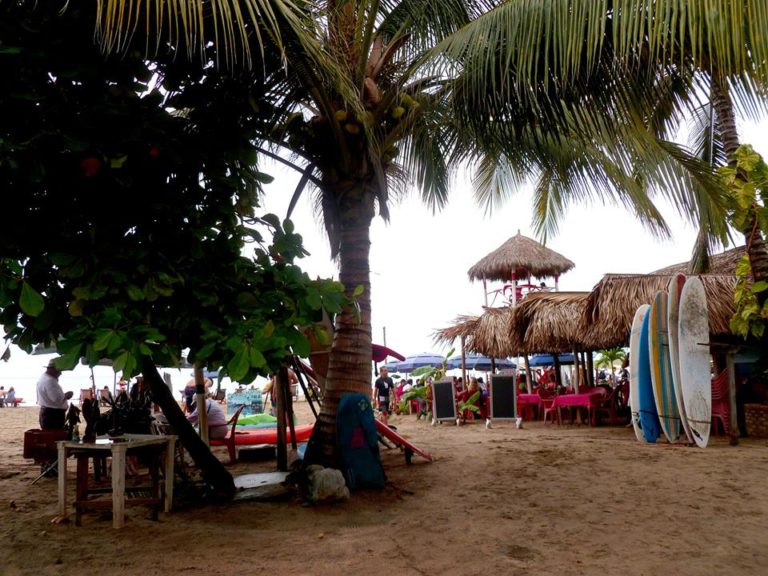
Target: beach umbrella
(479, 362)
(418, 360)
(548, 360)
(393, 365)
(380, 353)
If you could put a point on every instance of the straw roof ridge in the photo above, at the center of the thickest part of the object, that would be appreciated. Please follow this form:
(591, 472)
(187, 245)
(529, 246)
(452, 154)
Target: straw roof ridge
(611, 305)
(722, 263)
(520, 257)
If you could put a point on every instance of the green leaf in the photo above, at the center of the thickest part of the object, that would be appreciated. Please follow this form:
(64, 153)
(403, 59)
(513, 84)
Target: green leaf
(103, 338)
(760, 286)
(359, 289)
(31, 302)
(238, 366)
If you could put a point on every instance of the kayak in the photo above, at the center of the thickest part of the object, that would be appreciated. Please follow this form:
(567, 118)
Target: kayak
(269, 435)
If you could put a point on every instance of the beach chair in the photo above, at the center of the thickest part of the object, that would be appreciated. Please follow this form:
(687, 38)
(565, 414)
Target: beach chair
(229, 439)
(40, 446)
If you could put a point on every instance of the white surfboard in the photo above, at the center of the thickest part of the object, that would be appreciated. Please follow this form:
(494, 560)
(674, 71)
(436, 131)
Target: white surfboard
(695, 376)
(674, 288)
(634, 353)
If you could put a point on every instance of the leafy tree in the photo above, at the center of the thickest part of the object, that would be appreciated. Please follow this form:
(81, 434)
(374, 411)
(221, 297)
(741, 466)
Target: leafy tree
(126, 216)
(379, 95)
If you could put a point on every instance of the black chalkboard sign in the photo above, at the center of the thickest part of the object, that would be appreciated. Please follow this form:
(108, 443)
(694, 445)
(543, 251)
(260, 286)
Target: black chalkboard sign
(443, 401)
(503, 397)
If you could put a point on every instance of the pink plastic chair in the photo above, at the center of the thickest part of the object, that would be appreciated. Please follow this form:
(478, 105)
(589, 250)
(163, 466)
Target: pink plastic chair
(721, 407)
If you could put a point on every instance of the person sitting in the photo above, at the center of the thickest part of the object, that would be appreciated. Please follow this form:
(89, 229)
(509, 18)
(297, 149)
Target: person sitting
(217, 420)
(10, 398)
(473, 396)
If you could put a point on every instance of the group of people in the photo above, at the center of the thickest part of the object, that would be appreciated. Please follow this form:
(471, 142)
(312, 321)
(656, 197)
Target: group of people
(7, 398)
(472, 398)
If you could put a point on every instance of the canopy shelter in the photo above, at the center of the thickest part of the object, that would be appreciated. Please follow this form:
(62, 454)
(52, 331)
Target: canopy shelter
(548, 359)
(519, 258)
(479, 362)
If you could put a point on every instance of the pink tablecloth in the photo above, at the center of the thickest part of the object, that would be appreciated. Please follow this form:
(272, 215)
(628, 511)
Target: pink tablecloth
(587, 400)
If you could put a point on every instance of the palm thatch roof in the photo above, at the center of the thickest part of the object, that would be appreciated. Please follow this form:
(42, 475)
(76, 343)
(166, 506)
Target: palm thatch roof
(550, 322)
(463, 327)
(723, 263)
(611, 305)
(520, 257)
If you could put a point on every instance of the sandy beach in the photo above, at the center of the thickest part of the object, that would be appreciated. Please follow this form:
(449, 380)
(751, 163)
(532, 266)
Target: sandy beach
(544, 499)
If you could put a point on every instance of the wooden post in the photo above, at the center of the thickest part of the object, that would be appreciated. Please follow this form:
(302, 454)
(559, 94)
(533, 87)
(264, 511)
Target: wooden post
(528, 377)
(281, 382)
(591, 368)
(202, 411)
(557, 365)
(463, 363)
(734, 422)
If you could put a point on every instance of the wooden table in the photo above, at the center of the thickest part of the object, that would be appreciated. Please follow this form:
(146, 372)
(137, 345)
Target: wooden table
(117, 449)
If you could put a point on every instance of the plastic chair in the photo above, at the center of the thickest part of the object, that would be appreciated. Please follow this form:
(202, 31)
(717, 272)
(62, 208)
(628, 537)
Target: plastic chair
(546, 404)
(229, 439)
(606, 405)
(721, 407)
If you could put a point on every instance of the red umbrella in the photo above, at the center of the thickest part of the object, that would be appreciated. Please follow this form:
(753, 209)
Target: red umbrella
(380, 353)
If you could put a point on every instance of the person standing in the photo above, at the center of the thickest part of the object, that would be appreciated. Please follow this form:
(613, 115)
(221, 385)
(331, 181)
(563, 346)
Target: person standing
(381, 390)
(51, 399)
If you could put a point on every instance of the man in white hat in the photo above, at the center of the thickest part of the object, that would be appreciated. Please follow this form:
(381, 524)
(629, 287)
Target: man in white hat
(51, 399)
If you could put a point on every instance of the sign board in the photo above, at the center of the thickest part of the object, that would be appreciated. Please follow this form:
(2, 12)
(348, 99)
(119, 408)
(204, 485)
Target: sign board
(443, 400)
(503, 397)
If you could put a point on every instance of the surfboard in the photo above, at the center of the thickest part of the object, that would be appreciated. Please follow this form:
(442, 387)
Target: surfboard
(649, 417)
(674, 288)
(390, 434)
(695, 378)
(269, 435)
(661, 369)
(634, 357)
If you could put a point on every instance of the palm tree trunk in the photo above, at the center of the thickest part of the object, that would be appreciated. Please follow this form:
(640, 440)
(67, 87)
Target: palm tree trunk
(349, 366)
(757, 250)
(212, 469)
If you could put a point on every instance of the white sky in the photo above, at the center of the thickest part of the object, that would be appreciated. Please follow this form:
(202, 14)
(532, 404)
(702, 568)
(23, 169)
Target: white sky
(419, 261)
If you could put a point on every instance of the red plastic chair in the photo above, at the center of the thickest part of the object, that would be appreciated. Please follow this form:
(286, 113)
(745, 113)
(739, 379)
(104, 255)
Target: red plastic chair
(229, 439)
(546, 404)
(721, 407)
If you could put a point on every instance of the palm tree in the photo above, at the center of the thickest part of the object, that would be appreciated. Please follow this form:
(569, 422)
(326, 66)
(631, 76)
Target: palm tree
(609, 358)
(379, 95)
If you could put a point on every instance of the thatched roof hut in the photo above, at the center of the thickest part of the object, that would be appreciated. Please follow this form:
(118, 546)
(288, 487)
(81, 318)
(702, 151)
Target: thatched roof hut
(550, 322)
(723, 263)
(520, 257)
(463, 327)
(490, 333)
(611, 305)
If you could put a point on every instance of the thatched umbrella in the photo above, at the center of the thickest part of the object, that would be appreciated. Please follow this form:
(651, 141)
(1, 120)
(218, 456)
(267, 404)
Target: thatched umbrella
(518, 258)
(611, 305)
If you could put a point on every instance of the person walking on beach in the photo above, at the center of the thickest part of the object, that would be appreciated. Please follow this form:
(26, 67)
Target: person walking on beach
(381, 389)
(51, 398)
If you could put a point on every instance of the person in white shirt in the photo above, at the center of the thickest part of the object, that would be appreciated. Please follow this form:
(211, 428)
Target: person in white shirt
(51, 398)
(217, 420)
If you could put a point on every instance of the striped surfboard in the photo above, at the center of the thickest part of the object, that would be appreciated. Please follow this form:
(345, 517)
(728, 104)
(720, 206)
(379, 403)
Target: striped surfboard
(661, 369)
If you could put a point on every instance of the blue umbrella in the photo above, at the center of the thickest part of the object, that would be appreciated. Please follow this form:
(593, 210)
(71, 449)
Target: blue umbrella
(548, 360)
(426, 359)
(479, 362)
